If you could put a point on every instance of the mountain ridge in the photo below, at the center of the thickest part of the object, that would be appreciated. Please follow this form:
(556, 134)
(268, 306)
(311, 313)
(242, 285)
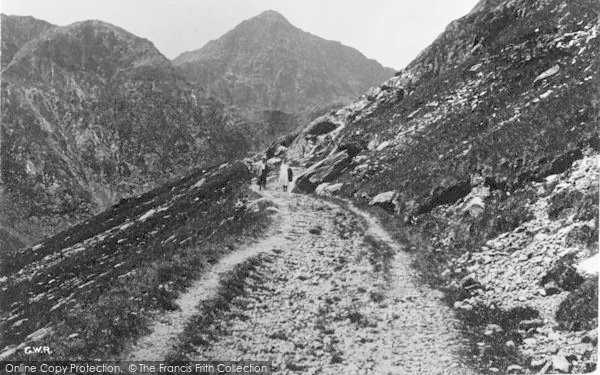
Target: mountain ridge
(18, 30)
(263, 47)
(92, 113)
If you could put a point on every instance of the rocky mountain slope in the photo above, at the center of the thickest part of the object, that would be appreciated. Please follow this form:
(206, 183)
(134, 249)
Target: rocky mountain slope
(267, 63)
(92, 113)
(483, 150)
(18, 30)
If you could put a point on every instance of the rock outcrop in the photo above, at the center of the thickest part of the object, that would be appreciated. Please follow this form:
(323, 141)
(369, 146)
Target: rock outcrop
(324, 171)
(384, 200)
(328, 189)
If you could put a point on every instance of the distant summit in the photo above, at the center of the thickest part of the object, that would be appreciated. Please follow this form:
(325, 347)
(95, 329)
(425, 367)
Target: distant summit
(271, 15)
(84, 48)
(267, 63)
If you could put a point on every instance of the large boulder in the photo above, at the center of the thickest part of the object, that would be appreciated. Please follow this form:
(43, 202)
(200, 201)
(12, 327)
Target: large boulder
(385, 200)
(320, 190)
(273, 162)
(588, 267)
(333, 188)
(281, 150)
(547, 73)
(323, 171)
(322, 127)
(352, 148)
(560, 363)
(285, 141)
(382, 145)
(372, 145)
(328, 189)
(474, 206)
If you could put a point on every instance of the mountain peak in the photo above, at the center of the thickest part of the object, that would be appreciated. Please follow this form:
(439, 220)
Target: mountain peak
(268, 19)
(266, 62)
(270, 15)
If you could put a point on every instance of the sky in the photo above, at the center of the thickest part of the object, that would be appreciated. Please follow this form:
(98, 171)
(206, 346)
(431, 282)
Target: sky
(392, 32)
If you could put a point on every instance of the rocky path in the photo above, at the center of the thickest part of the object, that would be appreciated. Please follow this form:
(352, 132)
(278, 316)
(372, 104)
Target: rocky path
(166, 329)
(335, 296)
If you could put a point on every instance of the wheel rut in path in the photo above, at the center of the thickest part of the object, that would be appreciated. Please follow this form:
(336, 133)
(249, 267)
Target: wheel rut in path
(166, 329)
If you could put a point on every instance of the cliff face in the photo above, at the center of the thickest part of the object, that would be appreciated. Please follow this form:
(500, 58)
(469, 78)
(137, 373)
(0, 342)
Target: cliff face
(483, 138)
(267, 63)
(91, 113)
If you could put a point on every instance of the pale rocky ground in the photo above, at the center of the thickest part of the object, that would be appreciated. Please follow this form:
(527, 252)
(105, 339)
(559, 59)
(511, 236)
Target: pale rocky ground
(511, 269)
(324, 300)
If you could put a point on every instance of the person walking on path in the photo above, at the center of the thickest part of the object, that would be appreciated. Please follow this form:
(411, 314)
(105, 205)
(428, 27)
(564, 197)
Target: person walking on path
(257, 168)
(264, 171)
(285, 174)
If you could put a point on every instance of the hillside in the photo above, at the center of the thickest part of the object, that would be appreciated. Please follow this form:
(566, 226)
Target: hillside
(484, 151)
(91, 289)
(92, 113)
(267, 63)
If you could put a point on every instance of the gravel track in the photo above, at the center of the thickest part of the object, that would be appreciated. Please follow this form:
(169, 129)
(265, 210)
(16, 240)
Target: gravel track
(320, 304)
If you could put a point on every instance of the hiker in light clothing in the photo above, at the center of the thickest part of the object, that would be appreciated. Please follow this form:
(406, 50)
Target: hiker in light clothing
(257, 171)
(285, 174)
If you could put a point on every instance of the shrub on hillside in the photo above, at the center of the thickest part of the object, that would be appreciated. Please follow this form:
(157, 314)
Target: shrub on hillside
(579, 311)
(584, 206)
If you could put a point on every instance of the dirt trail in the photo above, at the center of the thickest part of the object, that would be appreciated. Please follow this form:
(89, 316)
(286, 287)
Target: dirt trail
(322, 304)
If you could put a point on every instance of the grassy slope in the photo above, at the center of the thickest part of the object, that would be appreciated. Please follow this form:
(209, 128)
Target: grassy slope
(95, 284)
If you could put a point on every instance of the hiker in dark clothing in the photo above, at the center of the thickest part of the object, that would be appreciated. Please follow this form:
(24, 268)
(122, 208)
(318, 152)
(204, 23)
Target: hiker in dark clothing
(257, 170)
(264, 171)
